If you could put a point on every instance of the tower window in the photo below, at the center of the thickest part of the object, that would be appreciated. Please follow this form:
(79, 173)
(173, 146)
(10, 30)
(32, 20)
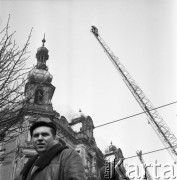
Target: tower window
(38, 96)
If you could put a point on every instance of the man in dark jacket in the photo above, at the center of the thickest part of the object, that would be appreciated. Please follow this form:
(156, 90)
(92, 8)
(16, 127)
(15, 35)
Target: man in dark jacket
(54, 161)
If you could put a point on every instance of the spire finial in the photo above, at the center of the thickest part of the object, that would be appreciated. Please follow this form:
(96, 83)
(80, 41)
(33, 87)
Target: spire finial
(43, 41)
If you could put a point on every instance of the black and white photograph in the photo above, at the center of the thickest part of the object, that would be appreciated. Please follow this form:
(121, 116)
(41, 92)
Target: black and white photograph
(88, 89)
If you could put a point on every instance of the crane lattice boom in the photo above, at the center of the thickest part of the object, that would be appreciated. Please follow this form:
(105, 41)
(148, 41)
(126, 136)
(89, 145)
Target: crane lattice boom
(156, 121)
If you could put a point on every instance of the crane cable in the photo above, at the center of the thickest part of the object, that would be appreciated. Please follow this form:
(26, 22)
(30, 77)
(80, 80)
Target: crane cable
(134, 115)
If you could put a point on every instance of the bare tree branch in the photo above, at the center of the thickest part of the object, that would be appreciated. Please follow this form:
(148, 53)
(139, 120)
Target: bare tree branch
(13, 73)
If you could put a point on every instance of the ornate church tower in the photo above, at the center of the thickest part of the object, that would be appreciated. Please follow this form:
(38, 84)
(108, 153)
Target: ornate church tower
(38, 89)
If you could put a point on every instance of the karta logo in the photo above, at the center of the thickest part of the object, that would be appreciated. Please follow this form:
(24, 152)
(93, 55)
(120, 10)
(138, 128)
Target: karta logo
(155, 170)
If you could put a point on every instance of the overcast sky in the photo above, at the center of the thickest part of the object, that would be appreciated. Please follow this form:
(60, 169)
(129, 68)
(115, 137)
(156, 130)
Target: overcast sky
(142, 33)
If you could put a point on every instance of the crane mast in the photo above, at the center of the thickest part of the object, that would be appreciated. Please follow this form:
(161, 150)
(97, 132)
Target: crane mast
(147, 173)
(156, 121)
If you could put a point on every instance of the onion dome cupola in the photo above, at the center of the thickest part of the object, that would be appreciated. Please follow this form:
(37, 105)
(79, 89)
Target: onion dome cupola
(110, 148)
(40, 76)
(40, 73)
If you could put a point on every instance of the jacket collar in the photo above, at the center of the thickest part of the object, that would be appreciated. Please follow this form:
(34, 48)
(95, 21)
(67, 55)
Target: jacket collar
(42, 161)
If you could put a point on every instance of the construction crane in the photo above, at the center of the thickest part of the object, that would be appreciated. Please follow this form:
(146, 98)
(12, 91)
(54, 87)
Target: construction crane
(156, 121)
(147, 173)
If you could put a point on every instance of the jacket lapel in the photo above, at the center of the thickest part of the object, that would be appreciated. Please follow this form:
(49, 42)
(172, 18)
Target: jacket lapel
(46, 158)
(33, 170)
(27, 167)
(41, 162)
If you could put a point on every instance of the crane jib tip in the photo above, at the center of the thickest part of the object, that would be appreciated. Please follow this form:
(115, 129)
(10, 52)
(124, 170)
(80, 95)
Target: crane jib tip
(94, 30)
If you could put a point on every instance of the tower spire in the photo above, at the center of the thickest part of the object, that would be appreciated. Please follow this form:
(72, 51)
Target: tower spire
(43, 41)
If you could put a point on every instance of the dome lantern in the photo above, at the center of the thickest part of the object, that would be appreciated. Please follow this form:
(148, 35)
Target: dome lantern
(42, 56)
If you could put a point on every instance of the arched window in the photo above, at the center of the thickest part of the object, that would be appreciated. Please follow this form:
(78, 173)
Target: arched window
(38, 96)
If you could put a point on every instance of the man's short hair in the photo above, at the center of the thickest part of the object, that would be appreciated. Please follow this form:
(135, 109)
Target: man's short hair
(43, 123)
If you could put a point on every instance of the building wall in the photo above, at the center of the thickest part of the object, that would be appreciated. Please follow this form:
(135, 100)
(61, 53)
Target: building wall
(7, 168)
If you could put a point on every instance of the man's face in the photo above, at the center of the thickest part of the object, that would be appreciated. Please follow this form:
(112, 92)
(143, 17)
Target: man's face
(42, 139)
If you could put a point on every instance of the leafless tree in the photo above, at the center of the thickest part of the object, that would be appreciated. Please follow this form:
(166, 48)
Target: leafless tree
(12, 78)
